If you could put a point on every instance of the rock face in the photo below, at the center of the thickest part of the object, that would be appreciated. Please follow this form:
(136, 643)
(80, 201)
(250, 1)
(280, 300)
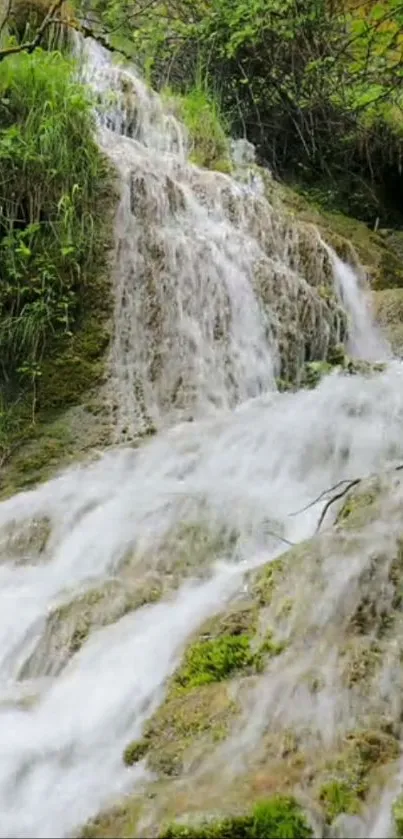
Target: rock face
(295, 690)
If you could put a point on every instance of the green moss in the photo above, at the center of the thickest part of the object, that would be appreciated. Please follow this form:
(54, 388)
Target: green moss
(185, 722)
(312, 373)
(118, 822)
(135, 751)
(388, 306)
(337, 797)
(397, 812)
(381, 255)
(268, 649)
(362, 753)
(266, 581)
(357, 505)
(213, 660)
(274, 818)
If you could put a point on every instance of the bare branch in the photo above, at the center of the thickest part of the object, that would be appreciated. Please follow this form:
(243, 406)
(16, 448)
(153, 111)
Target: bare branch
(322, 495)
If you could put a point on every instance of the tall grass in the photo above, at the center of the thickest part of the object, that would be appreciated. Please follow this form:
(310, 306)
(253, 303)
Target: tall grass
(52, 185)
(201, 112)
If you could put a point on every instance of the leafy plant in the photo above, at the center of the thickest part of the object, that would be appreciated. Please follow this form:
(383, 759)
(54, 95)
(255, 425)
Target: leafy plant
(52, 188)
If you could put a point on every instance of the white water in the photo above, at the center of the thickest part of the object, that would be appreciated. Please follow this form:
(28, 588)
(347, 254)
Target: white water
(365, 339)
(251, 458)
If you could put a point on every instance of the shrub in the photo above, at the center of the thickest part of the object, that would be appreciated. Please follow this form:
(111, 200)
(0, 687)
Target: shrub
(52, 188)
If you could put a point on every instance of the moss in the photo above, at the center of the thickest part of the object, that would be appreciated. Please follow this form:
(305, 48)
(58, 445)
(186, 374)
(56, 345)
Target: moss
(312, 373)
(266, 581)
(362, 753)
(388, 307)
(397, 812)
(135, 751)
(74, 370)
(274, 818)
(186, 722)
(337, 797)
(268, 649)
(117, 823)
(359, 506)
(380, 255)
(213, 660)
(69, 625)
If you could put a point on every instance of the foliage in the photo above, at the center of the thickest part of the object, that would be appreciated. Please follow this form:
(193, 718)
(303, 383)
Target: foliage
(317, 85)
(397, 811)
(214, 659)
(338, 797)
(279, 818)
(135, 751)
(52, 188)
(200, 111)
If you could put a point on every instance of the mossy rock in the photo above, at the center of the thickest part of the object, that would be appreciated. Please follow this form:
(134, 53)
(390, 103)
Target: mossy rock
(184, 725)
(348, 775)
(266, 580)
(119, 822)
(338, 797)
(397, 812)
(388, 306)
(69, 625)
(360, 505)
(274, 818)
(381, 255)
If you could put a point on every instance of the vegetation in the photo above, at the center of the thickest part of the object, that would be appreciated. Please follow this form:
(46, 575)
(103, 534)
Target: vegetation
(208, 131)
(279, 818)
(53, 196)
(213, 660)
(397, 811)
(337, 797)
(316, 85)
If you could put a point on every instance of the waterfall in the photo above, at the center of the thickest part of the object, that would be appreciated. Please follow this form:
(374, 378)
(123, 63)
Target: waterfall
(365, 339)
(215, 293)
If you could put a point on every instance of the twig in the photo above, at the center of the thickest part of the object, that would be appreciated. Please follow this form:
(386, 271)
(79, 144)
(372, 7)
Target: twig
(319, 497)
(335, 498)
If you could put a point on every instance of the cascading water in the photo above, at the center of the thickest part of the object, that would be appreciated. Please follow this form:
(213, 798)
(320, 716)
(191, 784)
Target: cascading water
(199, 333)
(365, 339)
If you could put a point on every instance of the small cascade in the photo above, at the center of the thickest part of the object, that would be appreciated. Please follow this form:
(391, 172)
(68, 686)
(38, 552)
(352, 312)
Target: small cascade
(364, 338)
(216, 293)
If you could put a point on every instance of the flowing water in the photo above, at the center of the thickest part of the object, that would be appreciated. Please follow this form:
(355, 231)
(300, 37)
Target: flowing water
(196, 338)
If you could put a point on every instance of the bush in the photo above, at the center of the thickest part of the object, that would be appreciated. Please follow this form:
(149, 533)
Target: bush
(52, 187)
(317, 86)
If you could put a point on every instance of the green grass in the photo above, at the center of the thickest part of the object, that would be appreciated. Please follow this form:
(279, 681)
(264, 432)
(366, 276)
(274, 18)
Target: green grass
(201, 113)
(52, 177)
(54, 186)
(276, 818)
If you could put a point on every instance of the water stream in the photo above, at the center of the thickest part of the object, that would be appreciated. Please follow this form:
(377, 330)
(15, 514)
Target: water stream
(194, 340)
